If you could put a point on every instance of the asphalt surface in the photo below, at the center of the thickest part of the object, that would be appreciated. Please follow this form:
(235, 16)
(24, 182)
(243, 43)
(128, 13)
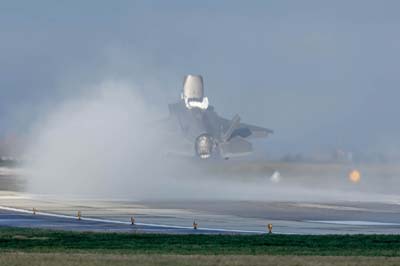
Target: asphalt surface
(17, 219)
(212, 217)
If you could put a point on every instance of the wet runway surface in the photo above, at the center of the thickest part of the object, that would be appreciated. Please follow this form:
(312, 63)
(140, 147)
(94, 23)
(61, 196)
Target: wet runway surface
(17, 219)
(211, 216)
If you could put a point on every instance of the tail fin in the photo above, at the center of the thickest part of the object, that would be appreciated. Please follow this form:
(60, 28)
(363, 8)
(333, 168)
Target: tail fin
(234, 125)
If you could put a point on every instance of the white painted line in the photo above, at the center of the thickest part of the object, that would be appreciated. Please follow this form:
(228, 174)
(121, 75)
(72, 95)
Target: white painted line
(125, 223)
(360, 223)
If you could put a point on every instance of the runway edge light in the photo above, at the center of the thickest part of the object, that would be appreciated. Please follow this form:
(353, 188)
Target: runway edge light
(269, 228)
(355, 176)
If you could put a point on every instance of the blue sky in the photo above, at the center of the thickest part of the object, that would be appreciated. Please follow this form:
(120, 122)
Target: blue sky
(323, 74)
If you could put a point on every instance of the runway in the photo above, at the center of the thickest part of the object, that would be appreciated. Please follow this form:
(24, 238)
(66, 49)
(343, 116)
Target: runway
(11, 217)
(212, 217)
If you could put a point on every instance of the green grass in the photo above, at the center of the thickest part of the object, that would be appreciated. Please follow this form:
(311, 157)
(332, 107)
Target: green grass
(35, 240)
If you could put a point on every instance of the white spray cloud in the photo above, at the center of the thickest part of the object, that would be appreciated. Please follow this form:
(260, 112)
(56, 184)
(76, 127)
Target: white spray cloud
(108, 143)
(98, 143)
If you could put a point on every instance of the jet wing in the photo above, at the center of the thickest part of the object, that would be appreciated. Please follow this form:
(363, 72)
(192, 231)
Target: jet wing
(256, 131)
(244, 130)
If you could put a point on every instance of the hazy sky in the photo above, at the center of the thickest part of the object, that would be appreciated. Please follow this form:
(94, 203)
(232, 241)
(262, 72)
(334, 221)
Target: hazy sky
(322, 74)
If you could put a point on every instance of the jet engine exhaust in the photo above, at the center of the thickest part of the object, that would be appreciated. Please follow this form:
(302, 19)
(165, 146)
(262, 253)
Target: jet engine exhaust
(204, 146)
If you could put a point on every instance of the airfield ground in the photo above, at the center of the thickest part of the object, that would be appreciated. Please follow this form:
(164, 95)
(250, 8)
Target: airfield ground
(89, 259)
(103, 246)
(38, 240)
(176, 217)
(322, 231)
(46, 247)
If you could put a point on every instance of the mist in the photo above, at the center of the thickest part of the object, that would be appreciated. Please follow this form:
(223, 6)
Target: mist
(323, 76)
(99, 143)
(108, 142)
(82, 87)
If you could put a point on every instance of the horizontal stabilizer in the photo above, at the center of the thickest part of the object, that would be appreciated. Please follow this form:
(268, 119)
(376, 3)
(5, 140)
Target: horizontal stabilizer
(235, 147)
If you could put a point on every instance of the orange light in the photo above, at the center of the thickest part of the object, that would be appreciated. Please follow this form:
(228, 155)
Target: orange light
(355, 176)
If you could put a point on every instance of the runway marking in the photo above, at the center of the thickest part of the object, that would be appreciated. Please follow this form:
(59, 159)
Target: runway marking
(5, 171)
(128, 223)
(361, 223)
(10, 197)
(327, 206)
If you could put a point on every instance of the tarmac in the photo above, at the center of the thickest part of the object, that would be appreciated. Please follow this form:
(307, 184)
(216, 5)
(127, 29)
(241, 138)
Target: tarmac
(21, 218)
(212, 217)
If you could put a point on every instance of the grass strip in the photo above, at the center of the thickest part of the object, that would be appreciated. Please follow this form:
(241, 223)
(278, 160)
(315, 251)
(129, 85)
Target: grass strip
(47, 241)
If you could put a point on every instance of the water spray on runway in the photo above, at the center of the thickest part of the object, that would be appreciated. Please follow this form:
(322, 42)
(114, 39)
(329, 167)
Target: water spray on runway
(108, 144)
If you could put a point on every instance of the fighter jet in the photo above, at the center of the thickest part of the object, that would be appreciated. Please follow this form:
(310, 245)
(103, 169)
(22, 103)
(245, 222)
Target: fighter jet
(210, 135)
